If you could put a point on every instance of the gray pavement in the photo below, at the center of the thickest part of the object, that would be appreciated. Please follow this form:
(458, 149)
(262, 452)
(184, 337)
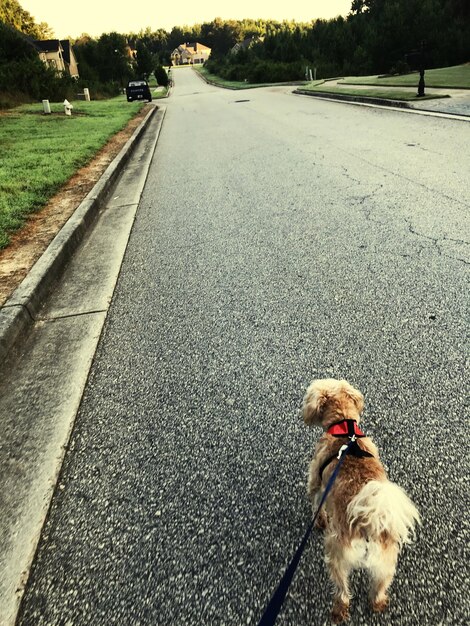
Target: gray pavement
(457, 104)
(42, 380)
(278, 239)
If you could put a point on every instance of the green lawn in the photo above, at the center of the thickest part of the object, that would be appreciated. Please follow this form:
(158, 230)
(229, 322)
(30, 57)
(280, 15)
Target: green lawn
(456, 77)
(388, 94)
(39, 153)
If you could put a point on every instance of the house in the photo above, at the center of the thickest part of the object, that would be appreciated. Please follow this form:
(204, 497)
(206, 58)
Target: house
(190, 53)
(58, 54)
(69, 58)
(246, 43)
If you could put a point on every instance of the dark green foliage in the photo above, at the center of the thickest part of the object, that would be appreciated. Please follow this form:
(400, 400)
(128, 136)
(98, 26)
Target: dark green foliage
(373, 39)
(14, 46)
(23, 76)
(161, 76)
(111, 61)
(145, 63)
(104, 64)
(257, 71)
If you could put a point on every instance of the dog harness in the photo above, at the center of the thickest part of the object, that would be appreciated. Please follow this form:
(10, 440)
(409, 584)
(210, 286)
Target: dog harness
(347, 428)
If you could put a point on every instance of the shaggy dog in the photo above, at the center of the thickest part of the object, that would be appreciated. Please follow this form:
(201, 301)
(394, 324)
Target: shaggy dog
(366, 517)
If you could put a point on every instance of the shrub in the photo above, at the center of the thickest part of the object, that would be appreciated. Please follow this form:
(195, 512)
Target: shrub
(401, 67)
(161, 76)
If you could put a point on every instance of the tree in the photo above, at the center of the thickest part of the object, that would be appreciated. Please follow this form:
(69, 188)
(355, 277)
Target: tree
(15, 46)
(12, 13)
(112, 60)
(145, 61)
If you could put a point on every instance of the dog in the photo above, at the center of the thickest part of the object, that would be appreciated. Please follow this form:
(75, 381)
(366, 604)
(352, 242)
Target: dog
(366, 518)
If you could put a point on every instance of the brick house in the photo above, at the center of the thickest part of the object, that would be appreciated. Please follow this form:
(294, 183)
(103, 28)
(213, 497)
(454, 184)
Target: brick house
(190, 54)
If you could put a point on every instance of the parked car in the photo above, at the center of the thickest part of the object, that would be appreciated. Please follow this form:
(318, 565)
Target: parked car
(138, 90)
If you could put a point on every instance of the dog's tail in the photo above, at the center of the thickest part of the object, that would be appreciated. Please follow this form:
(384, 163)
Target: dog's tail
(381, 510)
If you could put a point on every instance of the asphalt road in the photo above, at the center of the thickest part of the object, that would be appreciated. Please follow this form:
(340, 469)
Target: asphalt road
(279, 239)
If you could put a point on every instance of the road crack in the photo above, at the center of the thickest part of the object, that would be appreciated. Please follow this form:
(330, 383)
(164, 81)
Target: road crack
(438, 241)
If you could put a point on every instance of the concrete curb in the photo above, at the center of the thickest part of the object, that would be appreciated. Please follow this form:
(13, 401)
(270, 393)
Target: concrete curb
(366, 99)
(210, 82)
(400, 104)
(19, 312)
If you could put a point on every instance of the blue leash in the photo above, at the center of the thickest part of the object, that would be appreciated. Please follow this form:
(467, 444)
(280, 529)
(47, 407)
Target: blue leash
(272, 610)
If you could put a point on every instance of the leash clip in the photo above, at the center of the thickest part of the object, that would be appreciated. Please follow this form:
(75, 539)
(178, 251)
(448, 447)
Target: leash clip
(341, 450)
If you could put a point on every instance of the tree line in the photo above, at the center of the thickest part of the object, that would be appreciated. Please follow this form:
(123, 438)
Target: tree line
(373, 39)
(376, 37)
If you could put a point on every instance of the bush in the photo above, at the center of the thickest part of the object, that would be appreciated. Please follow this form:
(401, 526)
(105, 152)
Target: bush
(161, 76)
(257, 71)
(99, 90)
(32, 78)
(401, 67)
(274, 72)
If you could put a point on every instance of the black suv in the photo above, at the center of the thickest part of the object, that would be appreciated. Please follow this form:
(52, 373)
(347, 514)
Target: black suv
(138, 90)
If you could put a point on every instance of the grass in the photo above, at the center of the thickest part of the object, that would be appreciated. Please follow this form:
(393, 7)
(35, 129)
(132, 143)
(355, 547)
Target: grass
(39, 153)
(456, 77)
(159, 92)
(388, 94)
(235, 84)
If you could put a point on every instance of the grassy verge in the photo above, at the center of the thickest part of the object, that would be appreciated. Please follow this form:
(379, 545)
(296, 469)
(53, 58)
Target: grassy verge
(159, 92)
(39, 153)
(456, 77)
(387, 94)
(235, 84)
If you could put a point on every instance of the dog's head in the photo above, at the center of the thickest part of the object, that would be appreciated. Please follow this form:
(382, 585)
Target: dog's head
(330, 398)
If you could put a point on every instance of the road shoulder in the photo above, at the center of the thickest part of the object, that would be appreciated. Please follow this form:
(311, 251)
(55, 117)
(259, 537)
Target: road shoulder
(42, 385)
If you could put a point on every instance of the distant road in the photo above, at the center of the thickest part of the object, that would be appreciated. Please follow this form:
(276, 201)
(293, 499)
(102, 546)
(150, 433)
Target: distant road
(279, 238)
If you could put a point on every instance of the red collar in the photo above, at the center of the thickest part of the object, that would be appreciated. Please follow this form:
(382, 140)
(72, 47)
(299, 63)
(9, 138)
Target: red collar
(345, 428)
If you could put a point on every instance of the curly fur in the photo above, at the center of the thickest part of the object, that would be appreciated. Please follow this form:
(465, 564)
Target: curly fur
(366, 517)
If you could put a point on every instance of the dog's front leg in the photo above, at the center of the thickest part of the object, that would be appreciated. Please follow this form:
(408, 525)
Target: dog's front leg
(315, 492)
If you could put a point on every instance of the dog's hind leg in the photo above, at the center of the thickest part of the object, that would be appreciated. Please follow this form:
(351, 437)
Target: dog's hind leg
(339, 568)
(382, 569)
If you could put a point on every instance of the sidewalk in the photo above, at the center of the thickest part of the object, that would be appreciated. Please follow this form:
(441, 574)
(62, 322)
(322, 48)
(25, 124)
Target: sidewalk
(457, 104)
(49, 330)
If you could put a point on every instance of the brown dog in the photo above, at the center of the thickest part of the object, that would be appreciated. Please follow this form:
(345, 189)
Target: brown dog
(366, 517)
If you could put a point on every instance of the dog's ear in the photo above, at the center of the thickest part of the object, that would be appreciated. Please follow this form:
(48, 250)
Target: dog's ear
(354, 394)
(315, 400)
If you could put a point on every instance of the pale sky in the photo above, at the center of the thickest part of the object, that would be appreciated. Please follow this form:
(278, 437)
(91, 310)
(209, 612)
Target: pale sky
(71, 19)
